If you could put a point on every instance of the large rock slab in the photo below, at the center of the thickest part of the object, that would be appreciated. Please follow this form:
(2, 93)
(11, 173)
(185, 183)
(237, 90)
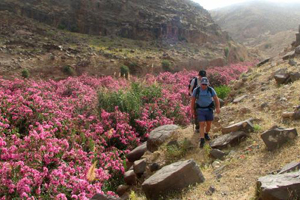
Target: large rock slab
(137, 153)
(276, 137)
(104, 197)
(279, 187)
(159, 135)
(172, 177)
(293, 166)
(245, 126)
(231, 139)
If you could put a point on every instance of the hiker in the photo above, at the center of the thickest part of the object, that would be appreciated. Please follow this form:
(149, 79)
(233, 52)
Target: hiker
(202, 98)
(194, 83)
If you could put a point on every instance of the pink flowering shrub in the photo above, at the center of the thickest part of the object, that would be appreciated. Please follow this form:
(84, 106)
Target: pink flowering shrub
(52, 132)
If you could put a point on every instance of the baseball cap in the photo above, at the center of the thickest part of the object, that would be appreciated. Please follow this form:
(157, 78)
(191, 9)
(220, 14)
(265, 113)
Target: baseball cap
(202, 73)
(204, 81)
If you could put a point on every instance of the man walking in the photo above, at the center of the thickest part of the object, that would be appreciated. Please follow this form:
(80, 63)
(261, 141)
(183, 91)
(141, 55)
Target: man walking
(194, 84)
(202, 99)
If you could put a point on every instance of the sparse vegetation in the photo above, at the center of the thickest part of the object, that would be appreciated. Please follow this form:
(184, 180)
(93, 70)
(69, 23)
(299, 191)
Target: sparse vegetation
(222, 91)
(124, 70)
(226, 52)
(25, 73)
(166, 64)
(68, 70)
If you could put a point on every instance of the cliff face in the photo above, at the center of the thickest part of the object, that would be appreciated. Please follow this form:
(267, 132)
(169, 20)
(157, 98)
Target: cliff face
(134, 19)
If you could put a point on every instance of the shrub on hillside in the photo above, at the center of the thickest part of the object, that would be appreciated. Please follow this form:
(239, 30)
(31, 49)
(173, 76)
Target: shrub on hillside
(166, 65)
(25, 73)
(68, 70)
(226, 52)
(124, 71)
(222, 91)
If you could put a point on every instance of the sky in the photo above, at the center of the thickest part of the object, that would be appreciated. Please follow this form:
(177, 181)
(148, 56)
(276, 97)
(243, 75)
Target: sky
(212, 4)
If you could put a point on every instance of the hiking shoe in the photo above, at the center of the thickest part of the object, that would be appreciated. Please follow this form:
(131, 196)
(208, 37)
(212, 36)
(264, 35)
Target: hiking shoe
(206, 136)
(202, 142)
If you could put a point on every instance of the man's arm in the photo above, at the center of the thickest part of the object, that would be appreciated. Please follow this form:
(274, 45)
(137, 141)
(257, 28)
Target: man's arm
(193, 100)
(216, 99)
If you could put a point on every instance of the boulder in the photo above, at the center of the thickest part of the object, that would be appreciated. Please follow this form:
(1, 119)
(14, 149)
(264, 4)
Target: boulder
(122, 189)
(289, 55)
(276, 137)
(245, 126)
(296, 114)
(104, 197)
(139, 166)
(217, 154)
(130, 177)
(160, 135)
(282, 78)
(295, 76)
(279, 187)
(231, 139)
(172, 177)
(137, 153)
(293, 166)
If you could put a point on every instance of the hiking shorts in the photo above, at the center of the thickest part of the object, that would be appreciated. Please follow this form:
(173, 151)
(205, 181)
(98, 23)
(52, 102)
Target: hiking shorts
(205, 115)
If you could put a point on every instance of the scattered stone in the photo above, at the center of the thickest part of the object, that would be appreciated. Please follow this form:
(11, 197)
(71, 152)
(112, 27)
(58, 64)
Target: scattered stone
(122, 189)
(239, 99)
(154, 167)
(292, 62)
(289, 55)
(276, 137)
(210, 191)
(172, 177)
(130, 177)
(139, 166)
(297, 50)
(282, 78)
(231, 139)
(280, 186)
(159, 135)
(293, 166)
(104, 197)
(296, 114)
(295, 76)
(263, 62)
(137, 153)
(217, 154)
(245, 126)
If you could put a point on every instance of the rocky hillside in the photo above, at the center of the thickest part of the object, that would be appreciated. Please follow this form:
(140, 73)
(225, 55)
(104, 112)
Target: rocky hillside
(97, 37)
(268, 26)
(254, 153)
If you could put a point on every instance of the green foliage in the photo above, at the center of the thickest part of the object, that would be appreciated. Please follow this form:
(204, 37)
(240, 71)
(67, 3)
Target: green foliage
(25, 73)
(130, 101)
(175, 152)
(226, 52)
(124, 71)
(166, 64)
(222, 91)
(68, 70)
(242, 59)
(116, 179)
(257, 128)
